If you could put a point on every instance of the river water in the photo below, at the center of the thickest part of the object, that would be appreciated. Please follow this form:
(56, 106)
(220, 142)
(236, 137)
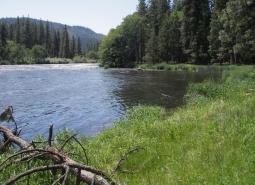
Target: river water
(84, 97)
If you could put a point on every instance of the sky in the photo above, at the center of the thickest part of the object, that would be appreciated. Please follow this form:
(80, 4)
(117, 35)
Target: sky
(98, 15)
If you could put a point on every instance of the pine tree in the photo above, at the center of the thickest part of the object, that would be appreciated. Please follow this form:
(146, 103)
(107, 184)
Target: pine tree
(142, 8)
(41, 33)
(142, 36)
(11, 32)
(195, 30)
(215, 27)
(1, 45)
(56, 44)
(238, 34)
(73, 47)
(163, 7)
(4, 35)
(177, 5)
(35, 34)
(18, 31)
(3, 40)
(152, 15)
(48, 41)
(65, 48)
(79, 51)
(152, 50)
(170, 39)
(27, 34)
(219, 5)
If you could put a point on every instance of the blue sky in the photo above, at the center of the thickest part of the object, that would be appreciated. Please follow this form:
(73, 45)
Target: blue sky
(99, 15)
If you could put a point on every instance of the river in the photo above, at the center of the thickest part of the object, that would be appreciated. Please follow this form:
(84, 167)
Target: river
(84, 97)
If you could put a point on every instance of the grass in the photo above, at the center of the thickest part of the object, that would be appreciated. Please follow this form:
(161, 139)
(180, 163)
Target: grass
(173, 67)
(76, 59)
(169, 67)
(210, 140)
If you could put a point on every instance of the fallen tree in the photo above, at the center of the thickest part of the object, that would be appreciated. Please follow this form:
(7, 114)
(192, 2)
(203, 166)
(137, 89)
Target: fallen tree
(60, 161)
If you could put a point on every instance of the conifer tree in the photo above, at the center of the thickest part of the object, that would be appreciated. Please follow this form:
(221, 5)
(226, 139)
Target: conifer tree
(215, 28)
(195, 29)
(177, 5)
(48, 39)
(237, 36)
(18, 31)
(35, 34)
(41, 33)
(142, 8)
(3, 40)
(65, 48)
(170, 39)
(11, 32)
(79, 51)
(27, 34)
(73, 47)
(56, 44)
(152, 50)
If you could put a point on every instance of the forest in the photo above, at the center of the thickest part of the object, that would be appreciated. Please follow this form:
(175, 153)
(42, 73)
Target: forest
(183, 31)
(26, 41)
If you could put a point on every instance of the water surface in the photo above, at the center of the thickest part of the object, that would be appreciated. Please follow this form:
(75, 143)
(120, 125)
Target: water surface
(85, 98)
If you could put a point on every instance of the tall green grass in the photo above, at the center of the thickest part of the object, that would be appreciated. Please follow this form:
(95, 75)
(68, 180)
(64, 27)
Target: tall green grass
(210, 140)
(170, 67)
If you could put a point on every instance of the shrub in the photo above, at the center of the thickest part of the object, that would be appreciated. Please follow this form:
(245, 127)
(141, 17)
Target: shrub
(79, 59)
(17, 53)
(38, 54)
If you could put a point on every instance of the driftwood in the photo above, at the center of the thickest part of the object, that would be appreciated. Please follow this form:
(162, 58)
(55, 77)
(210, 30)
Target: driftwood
(61, 161)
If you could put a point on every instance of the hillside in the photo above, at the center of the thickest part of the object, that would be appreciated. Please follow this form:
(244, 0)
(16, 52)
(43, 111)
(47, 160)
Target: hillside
(86, 35)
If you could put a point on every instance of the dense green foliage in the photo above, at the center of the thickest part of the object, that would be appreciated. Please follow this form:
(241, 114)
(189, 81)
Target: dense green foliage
(210, 140)
(20, 41)
(183, 31)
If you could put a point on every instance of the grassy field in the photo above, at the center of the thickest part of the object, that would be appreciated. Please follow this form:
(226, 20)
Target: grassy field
(210, 140)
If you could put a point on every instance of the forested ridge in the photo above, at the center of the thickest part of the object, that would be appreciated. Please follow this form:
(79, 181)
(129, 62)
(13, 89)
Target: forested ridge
(26, 40)
(183, 31)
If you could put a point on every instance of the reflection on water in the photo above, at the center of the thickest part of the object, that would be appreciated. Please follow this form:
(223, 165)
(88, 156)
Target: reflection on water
(85, 98)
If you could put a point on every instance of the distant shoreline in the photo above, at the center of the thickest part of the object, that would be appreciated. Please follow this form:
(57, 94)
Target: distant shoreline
(49, 66)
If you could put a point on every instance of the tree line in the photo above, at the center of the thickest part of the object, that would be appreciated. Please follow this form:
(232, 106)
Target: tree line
(26, 39)
(183, 31)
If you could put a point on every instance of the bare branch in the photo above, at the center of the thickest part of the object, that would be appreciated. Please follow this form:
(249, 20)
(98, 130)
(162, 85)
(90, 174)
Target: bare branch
(67, 140)
(79, 143)
(125, 156)
(5, 145)
(87, 174)
(84, 151)
(29, 152)
(50, 134)
(66, 175)
(29, 172)
(78, 178)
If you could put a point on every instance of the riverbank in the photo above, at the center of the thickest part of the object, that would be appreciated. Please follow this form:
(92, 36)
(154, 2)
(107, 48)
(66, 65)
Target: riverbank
(174, 67)
(75, 60)
(210, 140)
(29, 67)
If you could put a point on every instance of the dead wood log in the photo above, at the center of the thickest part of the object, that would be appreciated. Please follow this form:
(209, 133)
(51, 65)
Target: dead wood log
(62, 161)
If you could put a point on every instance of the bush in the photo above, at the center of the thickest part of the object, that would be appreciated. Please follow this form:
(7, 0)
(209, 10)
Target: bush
(4, 62)
(17, 53)
(38, 54)
(79, 59)
(92, 55)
